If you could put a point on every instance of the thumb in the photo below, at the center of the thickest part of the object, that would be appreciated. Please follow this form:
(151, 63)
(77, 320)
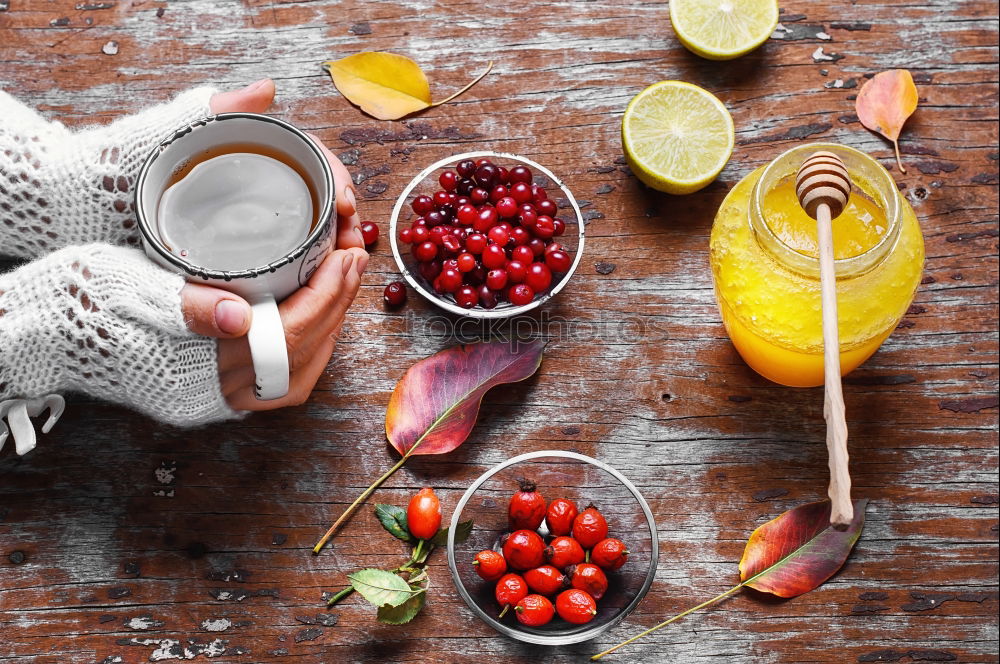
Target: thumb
(213, 312)
(254, 98)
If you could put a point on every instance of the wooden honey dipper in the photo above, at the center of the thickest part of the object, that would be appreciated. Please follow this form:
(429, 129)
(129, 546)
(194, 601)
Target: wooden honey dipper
(823, 186)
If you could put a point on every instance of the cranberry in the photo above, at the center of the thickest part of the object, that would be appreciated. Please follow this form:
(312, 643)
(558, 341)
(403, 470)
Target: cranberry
(441, 198)
(539, 277)
(516, 272)
(534, 611)
(466, 297)
(538, 193)
(497, 192)
(430, 271)
(465, 186)
(487, 298)
(485, 175)
(574, 606)
(451, 263)
(528, 215)
(418, 221)
(544, 227)
(497, 279)
(552, 246)
(494, 257)
(520, 173)
(489, 565)
(589, 578)
(451, 244)
(486, 219)
(523, 549)
(546, 580)
(406, 235)
(466, 214)
(482, 161)
(503, 175)
(475, 243)
(527, 507)
(537, 246)
(507, 207)
(422, 204)
(558, 226)
(522, 254)
(447, 211)
(394, 294)
(547, 207)
(461, 200)
(434, 218)
(478, 196)
(521, 294)
(589, 527)
(559, 516)
(564, 551)
(448, 180)
(609, 553)
(521, 192)
(558, 260)
(437, 234)
(425, 251)
(499, 236)
(420, 234)
(369, 232)
(520, 235)
(466, 262)
(450, 280)
(477, 275)
(466, 168)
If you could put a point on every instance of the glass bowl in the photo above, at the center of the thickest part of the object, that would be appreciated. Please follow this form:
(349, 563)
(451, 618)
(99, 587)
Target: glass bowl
(557, 474)
(426, 182)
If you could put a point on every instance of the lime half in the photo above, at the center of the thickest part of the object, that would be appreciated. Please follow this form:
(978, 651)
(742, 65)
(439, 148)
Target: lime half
(723, 29)
(676, 136)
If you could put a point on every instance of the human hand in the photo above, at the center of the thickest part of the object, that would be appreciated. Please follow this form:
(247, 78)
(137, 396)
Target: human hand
(312, 316)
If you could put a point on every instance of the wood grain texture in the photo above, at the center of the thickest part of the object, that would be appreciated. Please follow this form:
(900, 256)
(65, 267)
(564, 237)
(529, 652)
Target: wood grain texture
(125, 541)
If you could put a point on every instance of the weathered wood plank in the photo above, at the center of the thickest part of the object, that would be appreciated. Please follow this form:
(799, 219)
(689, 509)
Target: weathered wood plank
(101, 559)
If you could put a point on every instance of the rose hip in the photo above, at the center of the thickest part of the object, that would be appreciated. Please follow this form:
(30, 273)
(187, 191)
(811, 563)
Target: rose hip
(575, 606)
(589, 527)
(563, 552)
(523, 550)
(534, 611)
(546, 580)
(527, 507)
(510, 589)
(588, 577)
(609, 553)
(559, 516)
(489, 565)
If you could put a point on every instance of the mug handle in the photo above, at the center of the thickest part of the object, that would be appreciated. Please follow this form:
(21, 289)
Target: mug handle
(268, 350)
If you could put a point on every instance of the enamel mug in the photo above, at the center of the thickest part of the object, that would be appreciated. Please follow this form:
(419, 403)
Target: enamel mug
(265, 285)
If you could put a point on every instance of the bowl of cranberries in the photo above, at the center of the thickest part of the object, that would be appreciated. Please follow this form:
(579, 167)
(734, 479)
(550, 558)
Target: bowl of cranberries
(486, 234)
(563, 548)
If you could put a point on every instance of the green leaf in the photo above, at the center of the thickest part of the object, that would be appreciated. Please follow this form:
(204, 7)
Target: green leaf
(405, 612)
(461, 534)
(393, 519)
(382, 588)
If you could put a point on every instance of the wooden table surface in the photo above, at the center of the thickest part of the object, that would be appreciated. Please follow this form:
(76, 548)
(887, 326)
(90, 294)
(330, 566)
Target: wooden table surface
(122, 540)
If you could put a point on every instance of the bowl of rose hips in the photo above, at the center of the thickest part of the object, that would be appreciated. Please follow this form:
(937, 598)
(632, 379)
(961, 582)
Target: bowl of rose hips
(487, 234)
(564, 547)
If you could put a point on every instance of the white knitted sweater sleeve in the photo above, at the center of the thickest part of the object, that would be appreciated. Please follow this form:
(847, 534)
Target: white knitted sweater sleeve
(94, 318)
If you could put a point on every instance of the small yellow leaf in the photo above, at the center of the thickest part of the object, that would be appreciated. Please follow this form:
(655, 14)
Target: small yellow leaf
(885, 102)
(385, 85)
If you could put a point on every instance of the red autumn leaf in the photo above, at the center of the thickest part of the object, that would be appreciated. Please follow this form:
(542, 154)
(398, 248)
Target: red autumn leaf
(436, 403)
(798, 550)
(885, 102)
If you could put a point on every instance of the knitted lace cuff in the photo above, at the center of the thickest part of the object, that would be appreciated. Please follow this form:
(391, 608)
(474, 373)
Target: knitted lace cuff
(107, 322)
(60, 188)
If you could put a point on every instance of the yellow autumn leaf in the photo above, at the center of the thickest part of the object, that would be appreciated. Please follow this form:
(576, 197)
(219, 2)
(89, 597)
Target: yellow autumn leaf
(385, 85)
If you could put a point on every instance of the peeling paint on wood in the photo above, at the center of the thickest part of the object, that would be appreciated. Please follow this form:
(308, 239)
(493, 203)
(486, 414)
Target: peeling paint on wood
(81, 509)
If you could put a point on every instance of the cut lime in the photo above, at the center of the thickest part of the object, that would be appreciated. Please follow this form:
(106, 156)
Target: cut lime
(723, 29)
(676, 136)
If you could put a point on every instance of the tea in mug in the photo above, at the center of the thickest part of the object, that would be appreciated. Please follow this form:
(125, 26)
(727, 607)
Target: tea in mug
(236, 207)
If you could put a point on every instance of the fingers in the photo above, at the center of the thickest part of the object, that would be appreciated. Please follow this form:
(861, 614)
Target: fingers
(349, 223)
(300, 384)
(213, 312)
(254, 98)
(309, 315)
